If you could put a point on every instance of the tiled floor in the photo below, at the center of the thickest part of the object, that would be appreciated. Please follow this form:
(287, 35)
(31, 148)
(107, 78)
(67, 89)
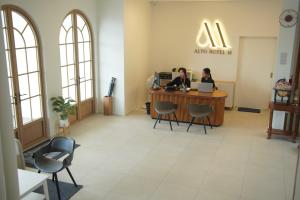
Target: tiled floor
(124, 158)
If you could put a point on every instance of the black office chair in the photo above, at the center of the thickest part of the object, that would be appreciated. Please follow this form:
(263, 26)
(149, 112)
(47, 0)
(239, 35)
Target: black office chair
(201, 111)
(165, 108)
(52, 166)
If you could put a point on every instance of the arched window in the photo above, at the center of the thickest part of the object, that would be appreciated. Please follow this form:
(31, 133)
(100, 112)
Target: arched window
(76, 61)
(24, 66)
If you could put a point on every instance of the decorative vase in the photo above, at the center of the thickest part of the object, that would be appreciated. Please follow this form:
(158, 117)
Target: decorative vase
(64, 123)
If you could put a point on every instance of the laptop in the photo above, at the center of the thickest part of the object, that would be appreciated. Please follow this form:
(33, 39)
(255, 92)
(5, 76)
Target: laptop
(206, 87)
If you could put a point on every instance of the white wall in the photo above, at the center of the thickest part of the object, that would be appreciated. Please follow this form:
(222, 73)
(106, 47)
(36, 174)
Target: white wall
(137, 15)
(111, 51)
(175, 26)
(7, 147)
(48, 16)
(288, 43)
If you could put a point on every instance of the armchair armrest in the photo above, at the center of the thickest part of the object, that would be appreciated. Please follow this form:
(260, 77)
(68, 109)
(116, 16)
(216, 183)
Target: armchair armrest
(68, 160)
(41, 151)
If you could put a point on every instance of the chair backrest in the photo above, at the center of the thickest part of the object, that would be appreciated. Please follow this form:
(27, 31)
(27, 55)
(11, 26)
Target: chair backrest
(19, 154)
(62, 144)
(163, 105)
(200, 108)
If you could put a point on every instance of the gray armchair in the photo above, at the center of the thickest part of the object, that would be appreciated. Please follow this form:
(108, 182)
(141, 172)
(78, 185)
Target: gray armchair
(52, 166)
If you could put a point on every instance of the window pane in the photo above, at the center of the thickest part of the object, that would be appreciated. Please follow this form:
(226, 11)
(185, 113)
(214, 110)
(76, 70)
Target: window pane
(5, 38)
(7, 55)
(2, 19)
(79, 36)
(23, 86)
(62, 36)
(80, 52)
(88, 89)
(72, 92)
(26, 111)
(14, 115)
(64, 77)
(80, 22)
(63, 55)
(70, 36)
(81, 72)
(32, 59)
(34, 84)
(88, 70)
(82, 91)
(71, 73)
(65, 93)
(70, 54)
(18, 21)
(67, 22)
(11, 90)
(21, 61)
(87, 54)
(19, 42)
(29, 37)
(86, 35)
(36, 108)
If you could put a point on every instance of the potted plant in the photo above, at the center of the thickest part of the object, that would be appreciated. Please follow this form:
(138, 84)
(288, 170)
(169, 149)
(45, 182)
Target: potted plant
(64, 108)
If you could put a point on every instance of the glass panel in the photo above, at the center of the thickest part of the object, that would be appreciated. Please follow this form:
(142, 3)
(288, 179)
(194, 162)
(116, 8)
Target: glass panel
(11, 90)
(26, 111)
(79, 36)
(21, 61)
(62, 36)
(71, 73)
(32, 59)
(2, 19)
(80, 52)
(88, 89)
(64, 77)
(80, 22)
(67, 22)
(70, 54)
(19, 42)
(87, 54)
(88, 70)
(65, 93)
(23, 86)
(7, 54)
(63, 55)
(69, 38)
(29, 37)
(14, 115)
(34, 84)
(86, 34)
(36, 108)
(18, 21)
(81, 72)
(82, 91)
(72, 92)
(5, 38)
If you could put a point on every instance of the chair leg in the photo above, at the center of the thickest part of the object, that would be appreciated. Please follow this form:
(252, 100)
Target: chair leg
(193, 118)
(170, 122)
(157, 119)
(208, 119)
(57, 186)
(39, 171)
(176, 119)
(52, 177)
(70, 174)
(204, 126)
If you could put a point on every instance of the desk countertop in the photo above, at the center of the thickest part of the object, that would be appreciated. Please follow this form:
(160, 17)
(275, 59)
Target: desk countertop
(214, 95)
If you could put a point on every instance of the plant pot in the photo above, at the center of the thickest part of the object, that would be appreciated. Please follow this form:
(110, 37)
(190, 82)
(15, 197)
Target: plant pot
(64, 123)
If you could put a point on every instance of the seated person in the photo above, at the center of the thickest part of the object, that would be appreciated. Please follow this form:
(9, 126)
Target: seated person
(206, 77)
(182, 79)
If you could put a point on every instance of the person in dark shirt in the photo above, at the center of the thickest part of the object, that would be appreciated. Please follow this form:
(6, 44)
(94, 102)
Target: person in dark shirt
(206, 77)
(181, 79)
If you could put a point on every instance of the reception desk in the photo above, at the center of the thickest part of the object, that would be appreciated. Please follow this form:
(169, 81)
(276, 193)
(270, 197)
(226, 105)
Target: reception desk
(216, 99)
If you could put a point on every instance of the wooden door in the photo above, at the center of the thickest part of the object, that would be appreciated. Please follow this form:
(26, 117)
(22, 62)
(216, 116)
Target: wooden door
(25, 75)
(77, 71)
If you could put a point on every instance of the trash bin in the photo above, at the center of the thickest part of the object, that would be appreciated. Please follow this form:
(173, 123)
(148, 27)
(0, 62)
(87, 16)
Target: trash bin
(148, 108)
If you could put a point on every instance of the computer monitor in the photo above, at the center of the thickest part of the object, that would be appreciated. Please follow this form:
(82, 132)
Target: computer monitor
(206, 87)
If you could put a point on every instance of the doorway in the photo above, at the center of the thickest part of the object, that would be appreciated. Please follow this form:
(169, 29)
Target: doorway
(255, 72)
(25, 76)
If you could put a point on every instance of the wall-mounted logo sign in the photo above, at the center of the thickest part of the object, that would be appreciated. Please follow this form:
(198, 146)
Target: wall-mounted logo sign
(212, 39)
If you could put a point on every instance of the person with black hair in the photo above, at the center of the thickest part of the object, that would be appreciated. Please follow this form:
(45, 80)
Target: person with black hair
(182, 79)
(206, 77)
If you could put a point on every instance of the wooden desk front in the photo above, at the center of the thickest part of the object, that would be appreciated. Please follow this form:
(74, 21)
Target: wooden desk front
(216, 99)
